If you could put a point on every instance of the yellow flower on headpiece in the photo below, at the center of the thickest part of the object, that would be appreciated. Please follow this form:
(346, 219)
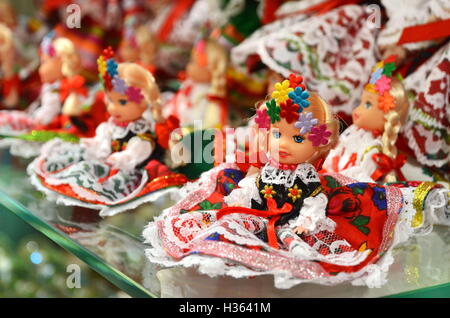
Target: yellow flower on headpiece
(370, 88)
(281, 91)
(101, 65)
(380, 64)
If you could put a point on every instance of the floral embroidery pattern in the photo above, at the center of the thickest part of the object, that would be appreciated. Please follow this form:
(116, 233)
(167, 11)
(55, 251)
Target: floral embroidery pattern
(268, 191)
(295, 193)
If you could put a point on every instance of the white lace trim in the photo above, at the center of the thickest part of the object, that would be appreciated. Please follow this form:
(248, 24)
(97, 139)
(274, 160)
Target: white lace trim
(136, 127)
(305, 171)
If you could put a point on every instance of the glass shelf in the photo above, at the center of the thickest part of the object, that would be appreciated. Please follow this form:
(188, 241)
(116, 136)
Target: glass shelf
(114, 248)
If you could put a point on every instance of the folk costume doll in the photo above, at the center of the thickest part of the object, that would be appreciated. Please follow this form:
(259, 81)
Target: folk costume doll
(122, 166)
(65, 107)
(285, 220)
(366, 150)
(10, 77)
(202, 96)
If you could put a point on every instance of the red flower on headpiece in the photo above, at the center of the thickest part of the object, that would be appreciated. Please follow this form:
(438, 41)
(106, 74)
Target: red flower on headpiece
(107, 80)
(296, 81)
(289, 110)
(108, 53)
(390, 59)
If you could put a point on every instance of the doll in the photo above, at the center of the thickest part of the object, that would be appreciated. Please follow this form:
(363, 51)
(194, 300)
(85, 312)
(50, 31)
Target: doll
(285, 220)
(59, 60)
(10, 77)
(202, 95)
(138, 45)
(370, 141)
(122, 166)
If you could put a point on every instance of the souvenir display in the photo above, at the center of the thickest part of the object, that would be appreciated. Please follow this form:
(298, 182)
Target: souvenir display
(123, 165)
(286, 220)
(261, 144)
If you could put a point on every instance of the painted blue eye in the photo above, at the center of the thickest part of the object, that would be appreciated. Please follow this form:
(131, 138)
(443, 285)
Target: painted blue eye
(298, 139)
(123, 101)
(368, 105)
(276, 134)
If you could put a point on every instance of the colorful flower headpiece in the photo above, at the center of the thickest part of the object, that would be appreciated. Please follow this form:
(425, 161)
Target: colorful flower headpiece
(47, 44)
(380, 82)
(288, 101)
(109, 77)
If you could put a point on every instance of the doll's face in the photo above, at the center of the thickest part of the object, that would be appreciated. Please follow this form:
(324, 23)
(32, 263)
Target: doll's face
(287, 146)
(50, 69)
(367, 115)
(127, 52)
(123, 110)
(197, 68)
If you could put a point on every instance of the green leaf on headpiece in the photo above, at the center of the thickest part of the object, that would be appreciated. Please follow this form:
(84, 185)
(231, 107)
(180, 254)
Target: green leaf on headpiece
(388, 69)
(273, 111)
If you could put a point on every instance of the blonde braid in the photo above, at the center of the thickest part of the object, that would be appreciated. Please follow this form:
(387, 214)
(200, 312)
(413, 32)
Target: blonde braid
(393, 123)
(66, 50)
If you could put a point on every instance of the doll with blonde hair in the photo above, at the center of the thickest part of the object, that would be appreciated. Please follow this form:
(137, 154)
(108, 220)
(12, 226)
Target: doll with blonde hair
(366, 150)
(10, 78)
(123, 165)
(202, 96)
(59, 61)
(286, 220)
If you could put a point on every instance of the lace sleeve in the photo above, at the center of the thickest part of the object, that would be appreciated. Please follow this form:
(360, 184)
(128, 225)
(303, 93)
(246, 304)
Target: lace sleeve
(313, 215)
(243, 195)
(50, 107)
(136, 152)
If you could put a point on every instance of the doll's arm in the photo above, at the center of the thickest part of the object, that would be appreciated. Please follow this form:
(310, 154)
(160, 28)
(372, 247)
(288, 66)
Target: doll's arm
(312, 216)
(50, 108)
(136, 152)
(243, 195)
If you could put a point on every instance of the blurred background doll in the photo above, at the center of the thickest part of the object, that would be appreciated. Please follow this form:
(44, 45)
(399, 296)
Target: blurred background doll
(122, 166)
(202, 96)
(285, 220)
(10, 77)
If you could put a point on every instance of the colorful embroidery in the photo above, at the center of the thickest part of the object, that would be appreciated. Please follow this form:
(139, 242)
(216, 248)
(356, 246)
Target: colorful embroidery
(268, 191)
(295, 193)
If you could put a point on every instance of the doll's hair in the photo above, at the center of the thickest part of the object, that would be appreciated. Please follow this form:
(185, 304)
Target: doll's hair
(217, 65)
(7, 13)
(65, 49)
(394, 120)
(146, 39)
(137, 76)
(322, 112)
(6, 41)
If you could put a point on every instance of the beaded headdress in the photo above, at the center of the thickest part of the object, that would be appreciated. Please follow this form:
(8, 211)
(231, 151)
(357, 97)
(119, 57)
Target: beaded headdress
(109, 77)
(380, 83)
(289, 101)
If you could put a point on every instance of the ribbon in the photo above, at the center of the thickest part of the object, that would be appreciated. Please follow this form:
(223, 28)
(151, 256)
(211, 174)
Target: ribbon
(179, 8)
(386, 164)
(163, 130)
(273, 213)
(269, 9)
(222, 102)
(10, 84)
(75, 85)
(425, 32)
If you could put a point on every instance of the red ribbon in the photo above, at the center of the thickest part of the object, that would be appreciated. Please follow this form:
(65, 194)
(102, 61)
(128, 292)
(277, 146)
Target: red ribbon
(10, 84)
(425, 32)
(222, 101)
(163, 130)
(273, 212)
(179, 8)
(75, 85)
(386, 164)
(269, 9)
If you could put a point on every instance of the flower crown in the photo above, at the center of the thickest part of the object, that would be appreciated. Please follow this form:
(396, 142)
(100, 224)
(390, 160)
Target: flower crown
(47, 44)
(380, 82)
(109, 77)
(288, 101)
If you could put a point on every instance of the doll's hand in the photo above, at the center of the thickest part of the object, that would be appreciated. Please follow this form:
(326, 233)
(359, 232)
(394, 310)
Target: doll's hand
(300, 230)
(120, 160)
